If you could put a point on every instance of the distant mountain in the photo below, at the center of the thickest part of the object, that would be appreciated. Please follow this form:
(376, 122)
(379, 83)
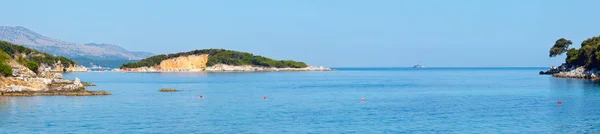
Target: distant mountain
(86, 52)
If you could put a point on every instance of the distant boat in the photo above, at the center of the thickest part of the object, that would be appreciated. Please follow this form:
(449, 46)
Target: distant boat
(418, 66)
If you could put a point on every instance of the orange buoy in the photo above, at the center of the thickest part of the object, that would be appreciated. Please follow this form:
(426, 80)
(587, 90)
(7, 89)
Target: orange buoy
(559, 102)
(363, 99)
(265, 97)
(200, 96)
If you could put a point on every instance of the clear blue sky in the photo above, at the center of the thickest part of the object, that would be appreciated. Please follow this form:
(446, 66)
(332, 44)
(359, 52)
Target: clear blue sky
(338, 33)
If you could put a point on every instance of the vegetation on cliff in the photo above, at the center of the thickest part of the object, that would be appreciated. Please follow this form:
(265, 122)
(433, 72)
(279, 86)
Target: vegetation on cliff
(587, 56)
(220, 56)
(34, 57)
(5, 69)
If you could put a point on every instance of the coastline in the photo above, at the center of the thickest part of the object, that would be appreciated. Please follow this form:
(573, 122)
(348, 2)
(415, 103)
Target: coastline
(48, 81)
(575, 72)
(226, 68)
(578, 73)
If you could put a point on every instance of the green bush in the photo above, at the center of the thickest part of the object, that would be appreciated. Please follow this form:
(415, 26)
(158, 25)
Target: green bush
(33, 66)
(5, 69)
(220, 56)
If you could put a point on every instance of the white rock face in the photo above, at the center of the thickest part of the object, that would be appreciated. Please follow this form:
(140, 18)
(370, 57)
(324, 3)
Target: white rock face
(77, 82)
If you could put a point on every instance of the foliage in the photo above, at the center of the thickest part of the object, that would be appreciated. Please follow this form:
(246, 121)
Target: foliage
(36, 56)
(588, 55)
(220, 56)
(573, 57)
(5, 69)
(32, 65)
(560, 46)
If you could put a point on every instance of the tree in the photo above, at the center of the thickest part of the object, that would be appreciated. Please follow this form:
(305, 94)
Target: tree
(560, 46)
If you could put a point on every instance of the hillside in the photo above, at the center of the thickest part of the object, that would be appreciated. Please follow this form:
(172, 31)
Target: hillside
(220, 56)
(90, 51)
(32, 58)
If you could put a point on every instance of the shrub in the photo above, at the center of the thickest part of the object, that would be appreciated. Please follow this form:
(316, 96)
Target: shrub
(5, 69)
(33, 66)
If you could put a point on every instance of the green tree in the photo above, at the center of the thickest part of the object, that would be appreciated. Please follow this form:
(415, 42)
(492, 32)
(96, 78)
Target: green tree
(560, 46)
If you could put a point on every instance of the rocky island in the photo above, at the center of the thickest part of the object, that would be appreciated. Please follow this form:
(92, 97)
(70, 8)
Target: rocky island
(215, 60)
(582, 63)
(27, 72)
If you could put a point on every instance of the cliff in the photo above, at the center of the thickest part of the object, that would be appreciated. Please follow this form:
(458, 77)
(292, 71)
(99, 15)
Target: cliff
(190, 62)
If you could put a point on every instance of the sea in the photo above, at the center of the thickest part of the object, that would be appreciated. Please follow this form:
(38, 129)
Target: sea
(347, 100)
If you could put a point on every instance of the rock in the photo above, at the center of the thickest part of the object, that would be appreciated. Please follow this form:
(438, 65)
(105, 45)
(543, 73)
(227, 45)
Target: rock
(552, 70)
(62, 81)
(87, 84)
(14, 88)
(21, 71)
(77, 81)
(57, 76)
(168, 90)
(26, 86)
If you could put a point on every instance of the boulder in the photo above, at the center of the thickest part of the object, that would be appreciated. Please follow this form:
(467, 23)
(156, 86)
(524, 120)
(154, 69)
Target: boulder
(168, 90)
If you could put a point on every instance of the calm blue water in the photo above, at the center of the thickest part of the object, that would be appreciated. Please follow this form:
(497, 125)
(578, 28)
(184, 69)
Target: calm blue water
(428, 100)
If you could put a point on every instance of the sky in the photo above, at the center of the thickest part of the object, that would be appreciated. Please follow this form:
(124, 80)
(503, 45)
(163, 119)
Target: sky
(334, 33)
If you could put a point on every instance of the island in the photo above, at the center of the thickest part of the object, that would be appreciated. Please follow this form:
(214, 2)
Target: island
(28, 72)
(215, 60)
(582, 63)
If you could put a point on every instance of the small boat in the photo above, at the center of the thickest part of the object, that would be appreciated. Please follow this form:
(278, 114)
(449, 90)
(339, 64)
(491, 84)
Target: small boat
(417, 66)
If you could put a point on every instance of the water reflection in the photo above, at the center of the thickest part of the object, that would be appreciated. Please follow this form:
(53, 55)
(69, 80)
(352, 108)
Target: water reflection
(11, 106)
(565, 83)
(20, 103)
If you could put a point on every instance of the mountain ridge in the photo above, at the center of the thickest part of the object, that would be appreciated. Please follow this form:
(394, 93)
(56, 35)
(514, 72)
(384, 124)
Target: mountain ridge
(93, 51)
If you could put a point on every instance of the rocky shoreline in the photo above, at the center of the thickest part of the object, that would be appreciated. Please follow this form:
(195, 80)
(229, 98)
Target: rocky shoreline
(578, 73)
(48, 81)
(567, 71)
